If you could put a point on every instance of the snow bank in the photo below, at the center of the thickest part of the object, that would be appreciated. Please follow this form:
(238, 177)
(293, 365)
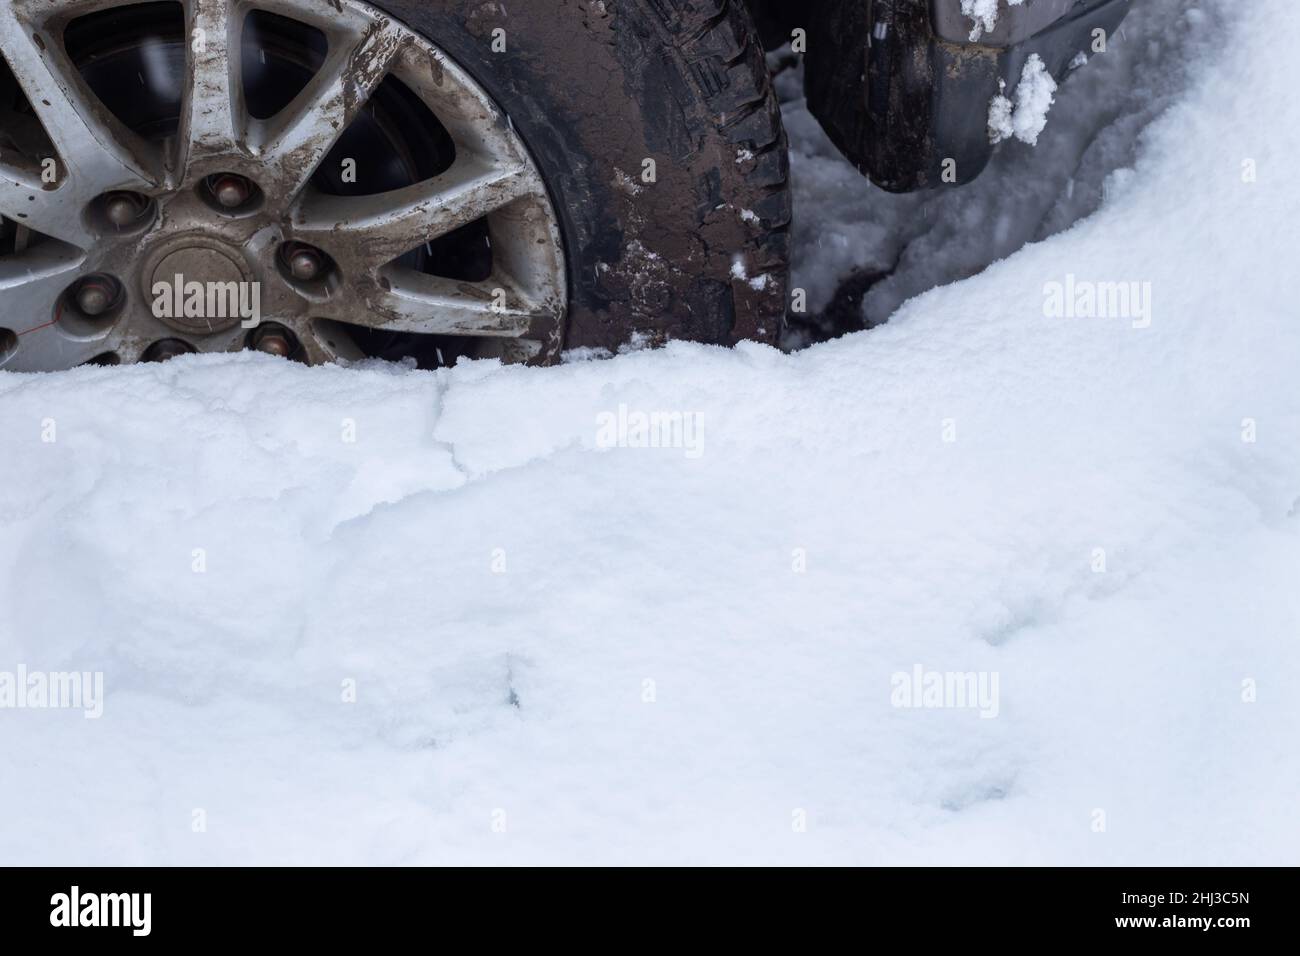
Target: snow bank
(395, 617)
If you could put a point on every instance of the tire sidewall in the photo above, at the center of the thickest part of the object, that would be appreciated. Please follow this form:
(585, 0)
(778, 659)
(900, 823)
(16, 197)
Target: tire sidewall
(596, 93)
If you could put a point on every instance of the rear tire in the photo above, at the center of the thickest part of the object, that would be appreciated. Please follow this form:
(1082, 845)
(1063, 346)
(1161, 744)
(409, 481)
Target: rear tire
(700, 249)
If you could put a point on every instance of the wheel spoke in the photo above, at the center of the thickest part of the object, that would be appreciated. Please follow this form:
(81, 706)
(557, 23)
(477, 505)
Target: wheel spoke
(378, 229)
(323, 343)
(32, 282)
(46, 348)
(96, 151)
(30, 287)
(414, 302)
(55, 212)
(213, 118)
(295, 144)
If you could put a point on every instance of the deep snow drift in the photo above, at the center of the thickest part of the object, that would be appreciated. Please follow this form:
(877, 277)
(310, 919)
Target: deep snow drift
(565, 652)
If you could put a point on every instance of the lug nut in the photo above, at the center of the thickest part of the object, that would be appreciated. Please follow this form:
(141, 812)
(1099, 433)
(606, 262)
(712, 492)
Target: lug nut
(230, 190)
(95, 295)
(124, 208)
(275, 340)
(120, 211)
(275, 345)
(305, 265)
(165, 349)
(305, 262)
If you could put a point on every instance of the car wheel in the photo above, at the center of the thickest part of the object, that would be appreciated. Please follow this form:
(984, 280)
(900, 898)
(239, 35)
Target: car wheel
(422, 179)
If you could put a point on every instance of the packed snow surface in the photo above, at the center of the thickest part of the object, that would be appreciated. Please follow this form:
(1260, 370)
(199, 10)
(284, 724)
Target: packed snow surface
(478, 615)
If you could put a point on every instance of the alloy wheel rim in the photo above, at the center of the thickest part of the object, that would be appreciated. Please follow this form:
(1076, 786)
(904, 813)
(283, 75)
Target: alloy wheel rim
(229, 197)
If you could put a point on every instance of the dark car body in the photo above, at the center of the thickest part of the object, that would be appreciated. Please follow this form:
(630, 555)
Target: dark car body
(903, 87)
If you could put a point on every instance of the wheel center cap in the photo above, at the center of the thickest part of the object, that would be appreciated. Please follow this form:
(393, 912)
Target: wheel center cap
(198, 286)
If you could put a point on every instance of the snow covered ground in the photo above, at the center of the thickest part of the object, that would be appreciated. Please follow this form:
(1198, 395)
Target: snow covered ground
(398, 617)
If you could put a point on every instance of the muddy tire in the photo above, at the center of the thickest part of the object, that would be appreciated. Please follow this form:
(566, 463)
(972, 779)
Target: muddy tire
(596, 89)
